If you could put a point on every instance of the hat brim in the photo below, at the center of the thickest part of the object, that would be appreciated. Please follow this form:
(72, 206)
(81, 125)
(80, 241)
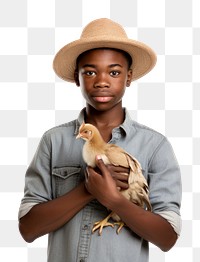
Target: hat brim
(143, 57)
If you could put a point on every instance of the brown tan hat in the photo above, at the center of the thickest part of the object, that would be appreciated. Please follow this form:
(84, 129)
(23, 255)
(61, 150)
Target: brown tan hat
(100, 33)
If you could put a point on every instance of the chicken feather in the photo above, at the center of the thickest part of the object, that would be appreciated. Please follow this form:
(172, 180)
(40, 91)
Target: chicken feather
(112, 154)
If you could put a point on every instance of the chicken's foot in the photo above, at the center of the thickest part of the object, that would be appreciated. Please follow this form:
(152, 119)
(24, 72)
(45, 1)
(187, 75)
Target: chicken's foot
(120, 224)
(101, 224)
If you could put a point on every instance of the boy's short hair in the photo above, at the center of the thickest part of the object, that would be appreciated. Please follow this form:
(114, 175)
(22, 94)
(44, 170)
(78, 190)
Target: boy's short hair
(124, 53)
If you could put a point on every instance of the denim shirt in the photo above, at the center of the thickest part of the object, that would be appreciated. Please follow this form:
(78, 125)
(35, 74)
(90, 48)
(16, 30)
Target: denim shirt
(58, 167)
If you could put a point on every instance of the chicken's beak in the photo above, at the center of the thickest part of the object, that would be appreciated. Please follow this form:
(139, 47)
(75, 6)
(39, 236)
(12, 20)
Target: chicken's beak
(78, 136)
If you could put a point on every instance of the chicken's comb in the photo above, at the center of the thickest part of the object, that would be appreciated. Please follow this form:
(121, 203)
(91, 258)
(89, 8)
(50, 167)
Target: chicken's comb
(82, 125)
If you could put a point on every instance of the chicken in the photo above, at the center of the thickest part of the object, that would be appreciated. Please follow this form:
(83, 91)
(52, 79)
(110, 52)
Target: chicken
(114, 155)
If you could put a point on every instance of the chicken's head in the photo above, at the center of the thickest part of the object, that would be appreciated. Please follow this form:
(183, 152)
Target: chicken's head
(86, 131)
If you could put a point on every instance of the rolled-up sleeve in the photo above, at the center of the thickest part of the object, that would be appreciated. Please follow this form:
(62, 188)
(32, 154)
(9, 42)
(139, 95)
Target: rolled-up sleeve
(165, 184)
(38, 179)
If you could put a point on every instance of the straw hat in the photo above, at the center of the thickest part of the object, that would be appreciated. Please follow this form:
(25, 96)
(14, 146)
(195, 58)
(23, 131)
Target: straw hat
(100, 33)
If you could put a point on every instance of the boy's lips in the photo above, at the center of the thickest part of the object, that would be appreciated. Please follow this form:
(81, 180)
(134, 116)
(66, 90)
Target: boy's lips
(102, 98)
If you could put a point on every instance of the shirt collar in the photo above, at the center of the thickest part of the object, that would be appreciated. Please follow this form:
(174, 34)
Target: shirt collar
(128, 123)
(126, 126)
(79, 121)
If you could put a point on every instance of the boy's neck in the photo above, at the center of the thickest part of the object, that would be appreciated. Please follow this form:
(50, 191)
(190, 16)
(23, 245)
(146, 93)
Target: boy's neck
(105, 119)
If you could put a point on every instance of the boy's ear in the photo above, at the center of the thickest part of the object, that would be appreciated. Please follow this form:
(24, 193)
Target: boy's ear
(76, 78)
(129, 77)
(128, 83)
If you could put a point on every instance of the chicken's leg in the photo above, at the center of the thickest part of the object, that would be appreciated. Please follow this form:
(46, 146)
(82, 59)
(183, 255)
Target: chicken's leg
(120, 224)
(102, 223)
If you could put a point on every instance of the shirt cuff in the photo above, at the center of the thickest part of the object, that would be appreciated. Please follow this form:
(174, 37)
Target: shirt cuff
(173, 218)
(25, 208)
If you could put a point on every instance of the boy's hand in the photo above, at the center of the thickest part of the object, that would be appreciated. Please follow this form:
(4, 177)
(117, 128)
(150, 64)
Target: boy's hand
(120, 175)
(103, 182)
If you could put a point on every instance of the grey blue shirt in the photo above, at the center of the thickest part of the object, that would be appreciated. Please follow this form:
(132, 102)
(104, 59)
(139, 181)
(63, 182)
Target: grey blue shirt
(58, 167)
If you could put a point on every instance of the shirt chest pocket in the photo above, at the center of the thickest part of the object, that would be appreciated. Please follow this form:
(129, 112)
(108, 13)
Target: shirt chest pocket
(65, 179)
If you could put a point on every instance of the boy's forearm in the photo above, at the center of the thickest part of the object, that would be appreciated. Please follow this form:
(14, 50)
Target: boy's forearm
(145, 224)
(49, 216)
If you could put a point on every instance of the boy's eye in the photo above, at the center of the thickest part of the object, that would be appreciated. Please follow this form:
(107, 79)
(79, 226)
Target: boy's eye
(89, 73)
(114, 73)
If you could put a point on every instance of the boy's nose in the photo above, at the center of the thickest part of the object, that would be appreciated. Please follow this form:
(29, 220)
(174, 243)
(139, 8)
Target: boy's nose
(101, 82)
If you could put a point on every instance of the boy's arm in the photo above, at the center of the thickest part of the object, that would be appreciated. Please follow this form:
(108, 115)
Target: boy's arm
(147, 225)
(49, 216)
(152, 227)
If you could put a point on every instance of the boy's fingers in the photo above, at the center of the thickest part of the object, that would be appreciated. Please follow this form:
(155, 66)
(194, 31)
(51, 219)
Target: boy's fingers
(86, 174)
(101, 165)
(118, 169)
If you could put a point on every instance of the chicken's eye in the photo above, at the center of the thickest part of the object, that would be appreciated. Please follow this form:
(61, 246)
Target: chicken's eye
(88, 132)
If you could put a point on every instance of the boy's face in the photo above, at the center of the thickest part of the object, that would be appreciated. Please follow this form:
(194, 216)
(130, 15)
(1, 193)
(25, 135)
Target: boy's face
(103, 75)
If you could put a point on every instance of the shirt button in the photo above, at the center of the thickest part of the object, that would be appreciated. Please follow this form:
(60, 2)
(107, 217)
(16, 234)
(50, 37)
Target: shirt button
(82, 260)
(85, 227)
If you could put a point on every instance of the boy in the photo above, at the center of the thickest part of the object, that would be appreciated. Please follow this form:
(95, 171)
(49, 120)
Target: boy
(60, 201)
